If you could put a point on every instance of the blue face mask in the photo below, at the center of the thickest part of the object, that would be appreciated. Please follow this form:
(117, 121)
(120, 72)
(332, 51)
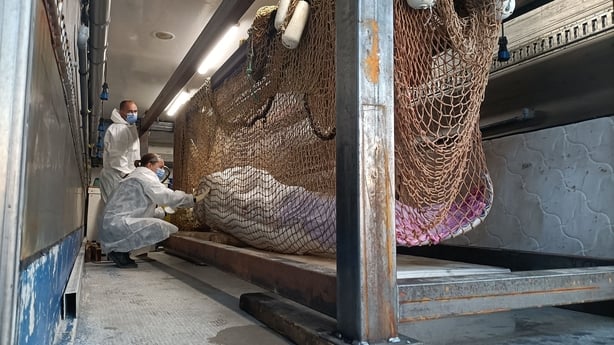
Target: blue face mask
(131, 118)
(160, 173)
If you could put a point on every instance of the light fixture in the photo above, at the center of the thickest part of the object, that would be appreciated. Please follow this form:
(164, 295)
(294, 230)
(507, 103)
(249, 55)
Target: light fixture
(163, 35)
(503, 54)
(179, 100)
(219, 51)
(104, 95)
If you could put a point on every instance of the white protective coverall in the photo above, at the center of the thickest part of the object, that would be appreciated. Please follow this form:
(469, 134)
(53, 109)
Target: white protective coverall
(128, 222)
(121, 149)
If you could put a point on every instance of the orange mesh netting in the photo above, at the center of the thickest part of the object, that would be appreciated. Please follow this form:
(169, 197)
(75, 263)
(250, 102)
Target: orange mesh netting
(441, 70)
(262, 145)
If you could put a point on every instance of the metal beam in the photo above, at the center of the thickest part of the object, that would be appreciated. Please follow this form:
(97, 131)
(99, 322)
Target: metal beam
(515, 260)
(430, 298)
(71, 295)
(227, 14)
(366, 255)
(310, 285)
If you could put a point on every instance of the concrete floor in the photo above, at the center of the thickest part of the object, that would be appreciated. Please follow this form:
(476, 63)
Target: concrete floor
(167, 300)
(543, 326)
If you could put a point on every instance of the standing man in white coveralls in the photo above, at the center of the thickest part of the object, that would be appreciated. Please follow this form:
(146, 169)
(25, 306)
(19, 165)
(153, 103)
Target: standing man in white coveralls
(131, 220)
(121, 148)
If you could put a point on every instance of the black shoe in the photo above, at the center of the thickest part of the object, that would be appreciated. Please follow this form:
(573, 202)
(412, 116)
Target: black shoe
(128, 259)
(122, 260)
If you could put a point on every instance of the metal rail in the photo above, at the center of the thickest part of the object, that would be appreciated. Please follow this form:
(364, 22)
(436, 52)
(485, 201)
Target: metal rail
(65, 61)
(566, 35)
(419, 298)
(312, 286)
(431, 298)
(515, 260)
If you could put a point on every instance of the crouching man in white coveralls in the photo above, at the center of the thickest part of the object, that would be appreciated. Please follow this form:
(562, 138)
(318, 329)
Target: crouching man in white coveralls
(129, 221)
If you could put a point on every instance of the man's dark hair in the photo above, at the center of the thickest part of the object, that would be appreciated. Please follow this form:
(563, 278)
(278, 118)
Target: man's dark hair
(146, 159)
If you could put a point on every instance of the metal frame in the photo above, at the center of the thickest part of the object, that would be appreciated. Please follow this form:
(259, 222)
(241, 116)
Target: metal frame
(570, 33)
(430, 298)
(71, 296)
(312, 286)
(368, 303)
(367, 308)
(419, 298)
(16, 26)
(515, 260)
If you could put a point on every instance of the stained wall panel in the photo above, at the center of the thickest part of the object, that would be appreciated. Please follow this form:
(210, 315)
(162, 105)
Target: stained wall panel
(54, 203)
(554, 191)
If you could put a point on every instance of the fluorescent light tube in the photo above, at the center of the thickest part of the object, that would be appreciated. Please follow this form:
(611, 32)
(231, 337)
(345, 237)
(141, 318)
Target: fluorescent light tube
(179, 100)
(220, 51)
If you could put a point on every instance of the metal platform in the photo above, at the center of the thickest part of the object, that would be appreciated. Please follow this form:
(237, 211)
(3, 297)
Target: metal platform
(436, 289)
(167, 300)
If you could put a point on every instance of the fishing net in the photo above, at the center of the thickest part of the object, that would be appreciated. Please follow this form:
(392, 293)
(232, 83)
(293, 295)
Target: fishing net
(262, 145)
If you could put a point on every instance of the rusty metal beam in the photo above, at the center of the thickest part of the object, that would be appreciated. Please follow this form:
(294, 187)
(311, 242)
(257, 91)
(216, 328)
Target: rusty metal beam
(366, 253)
(313, 285)
(515, 260)
(306, 284)
(420, 298)
(431, 298)
(296, 322)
